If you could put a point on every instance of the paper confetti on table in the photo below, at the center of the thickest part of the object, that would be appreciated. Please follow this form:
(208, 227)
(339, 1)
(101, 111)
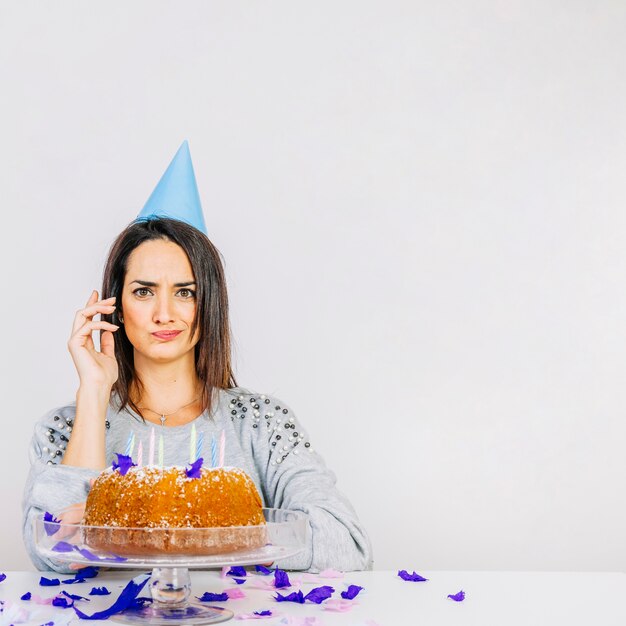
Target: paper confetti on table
(331, 573)
(208, 596)
(414, 577)
(351, 592)
(257, 615)
(49, 582)
(125, 599)
(99, 591)
(338, 605)
(235, 594)
(2, 577)
(281, 579)
(457, 597)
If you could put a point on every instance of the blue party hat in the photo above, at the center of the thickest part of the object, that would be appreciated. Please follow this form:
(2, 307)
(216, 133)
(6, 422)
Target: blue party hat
(176, 194)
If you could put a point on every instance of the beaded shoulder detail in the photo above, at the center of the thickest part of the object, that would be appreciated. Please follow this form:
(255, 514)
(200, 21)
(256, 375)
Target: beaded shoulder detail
(268, 414)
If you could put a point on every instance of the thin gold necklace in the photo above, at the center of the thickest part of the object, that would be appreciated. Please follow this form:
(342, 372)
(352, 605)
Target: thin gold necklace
(164, 416)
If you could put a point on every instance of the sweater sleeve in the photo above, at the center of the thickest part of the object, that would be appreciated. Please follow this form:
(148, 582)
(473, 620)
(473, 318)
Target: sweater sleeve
(295, 477)
(51, 486)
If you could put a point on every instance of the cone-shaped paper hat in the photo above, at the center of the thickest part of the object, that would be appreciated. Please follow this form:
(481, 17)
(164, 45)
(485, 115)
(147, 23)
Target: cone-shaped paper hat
(176, 194)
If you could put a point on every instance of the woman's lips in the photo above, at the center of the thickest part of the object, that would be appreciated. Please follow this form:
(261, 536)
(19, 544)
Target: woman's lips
(166, 335)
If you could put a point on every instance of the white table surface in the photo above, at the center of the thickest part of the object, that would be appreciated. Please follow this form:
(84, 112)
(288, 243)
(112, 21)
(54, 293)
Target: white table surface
(492, 598)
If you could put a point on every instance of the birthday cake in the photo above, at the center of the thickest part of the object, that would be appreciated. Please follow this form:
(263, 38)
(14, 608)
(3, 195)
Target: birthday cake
(149, 510)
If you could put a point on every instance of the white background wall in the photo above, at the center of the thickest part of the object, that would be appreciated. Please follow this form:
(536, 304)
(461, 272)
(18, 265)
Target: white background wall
(421, 208)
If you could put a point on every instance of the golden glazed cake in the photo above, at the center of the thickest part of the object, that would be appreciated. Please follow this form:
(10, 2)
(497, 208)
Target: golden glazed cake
(141, 511)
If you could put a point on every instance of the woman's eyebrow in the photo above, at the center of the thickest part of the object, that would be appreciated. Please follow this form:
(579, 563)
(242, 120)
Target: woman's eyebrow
(148, 283)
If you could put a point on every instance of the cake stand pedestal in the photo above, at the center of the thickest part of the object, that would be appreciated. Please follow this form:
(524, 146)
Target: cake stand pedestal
(170, 588)
(284, 534)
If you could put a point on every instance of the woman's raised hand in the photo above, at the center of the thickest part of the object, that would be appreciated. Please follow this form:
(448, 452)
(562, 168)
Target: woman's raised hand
(95, 369)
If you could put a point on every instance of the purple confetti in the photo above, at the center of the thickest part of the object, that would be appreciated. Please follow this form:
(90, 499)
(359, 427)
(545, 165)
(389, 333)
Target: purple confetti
(73, 596)
(207, 596)
(261, 569)
(126, 598)
(26, 596)
(281, 579)
(414, 577)
(62, 546)
(262, 613)
(124, 463)
(81, 575)
(99, 591)
(352, 592)
(319, 594)
(457, 597)
(49, 582)
(239, 581)
(195, 469)
(2, 577)
(88, 555)
(62, 603)
(52, 526)
(296, 596)
(238, 572)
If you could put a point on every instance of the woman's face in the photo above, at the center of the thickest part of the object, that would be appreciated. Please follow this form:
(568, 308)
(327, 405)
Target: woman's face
(159, 301)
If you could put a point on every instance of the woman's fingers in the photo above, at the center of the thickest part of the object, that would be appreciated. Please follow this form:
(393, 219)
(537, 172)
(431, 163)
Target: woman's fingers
(93, 308)
(88, 327)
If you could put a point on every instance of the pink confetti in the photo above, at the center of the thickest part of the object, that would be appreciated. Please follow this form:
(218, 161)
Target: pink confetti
(301, 621)
(224, 571)
(257, 615)
(235, 593)
(261, 583)
(13, 613)
(338, 605)
(39, 600)
(331, 573)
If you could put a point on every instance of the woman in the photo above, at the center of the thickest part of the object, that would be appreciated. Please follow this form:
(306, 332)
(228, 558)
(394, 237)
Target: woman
(163, 373)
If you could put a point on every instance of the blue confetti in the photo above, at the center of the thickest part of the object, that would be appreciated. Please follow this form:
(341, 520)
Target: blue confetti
(52, 526)
(99, 591)
(414, 577)
(126, 598)
(281, 579)
(351, 592)
(213, 597)
(49, 582)
(239, 572)
(457, 597)
(195, 469)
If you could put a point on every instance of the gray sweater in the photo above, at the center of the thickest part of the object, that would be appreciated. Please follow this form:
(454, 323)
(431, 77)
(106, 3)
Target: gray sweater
(260, 434)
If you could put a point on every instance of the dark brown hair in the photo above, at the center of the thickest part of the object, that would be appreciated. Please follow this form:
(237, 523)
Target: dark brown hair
(213, 350)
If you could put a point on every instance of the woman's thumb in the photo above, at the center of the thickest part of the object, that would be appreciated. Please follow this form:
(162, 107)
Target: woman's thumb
(107, 343)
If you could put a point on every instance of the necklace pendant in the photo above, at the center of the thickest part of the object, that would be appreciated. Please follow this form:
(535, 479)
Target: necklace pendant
(162, 418)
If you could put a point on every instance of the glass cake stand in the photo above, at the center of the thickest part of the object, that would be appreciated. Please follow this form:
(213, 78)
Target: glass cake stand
(171, 552)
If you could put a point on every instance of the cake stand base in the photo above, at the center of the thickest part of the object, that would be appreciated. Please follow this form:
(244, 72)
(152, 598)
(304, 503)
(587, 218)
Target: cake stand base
(170, 588)
(191, 613)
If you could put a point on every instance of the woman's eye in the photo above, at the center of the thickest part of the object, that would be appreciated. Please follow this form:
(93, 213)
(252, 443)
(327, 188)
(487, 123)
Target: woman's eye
(187, 293)
(142, 291)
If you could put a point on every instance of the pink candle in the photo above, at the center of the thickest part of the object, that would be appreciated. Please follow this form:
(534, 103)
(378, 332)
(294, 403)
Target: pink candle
(140, 454)
(222, 448)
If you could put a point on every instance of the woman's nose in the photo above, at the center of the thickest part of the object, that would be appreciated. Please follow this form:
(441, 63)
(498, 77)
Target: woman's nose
(163, 312)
